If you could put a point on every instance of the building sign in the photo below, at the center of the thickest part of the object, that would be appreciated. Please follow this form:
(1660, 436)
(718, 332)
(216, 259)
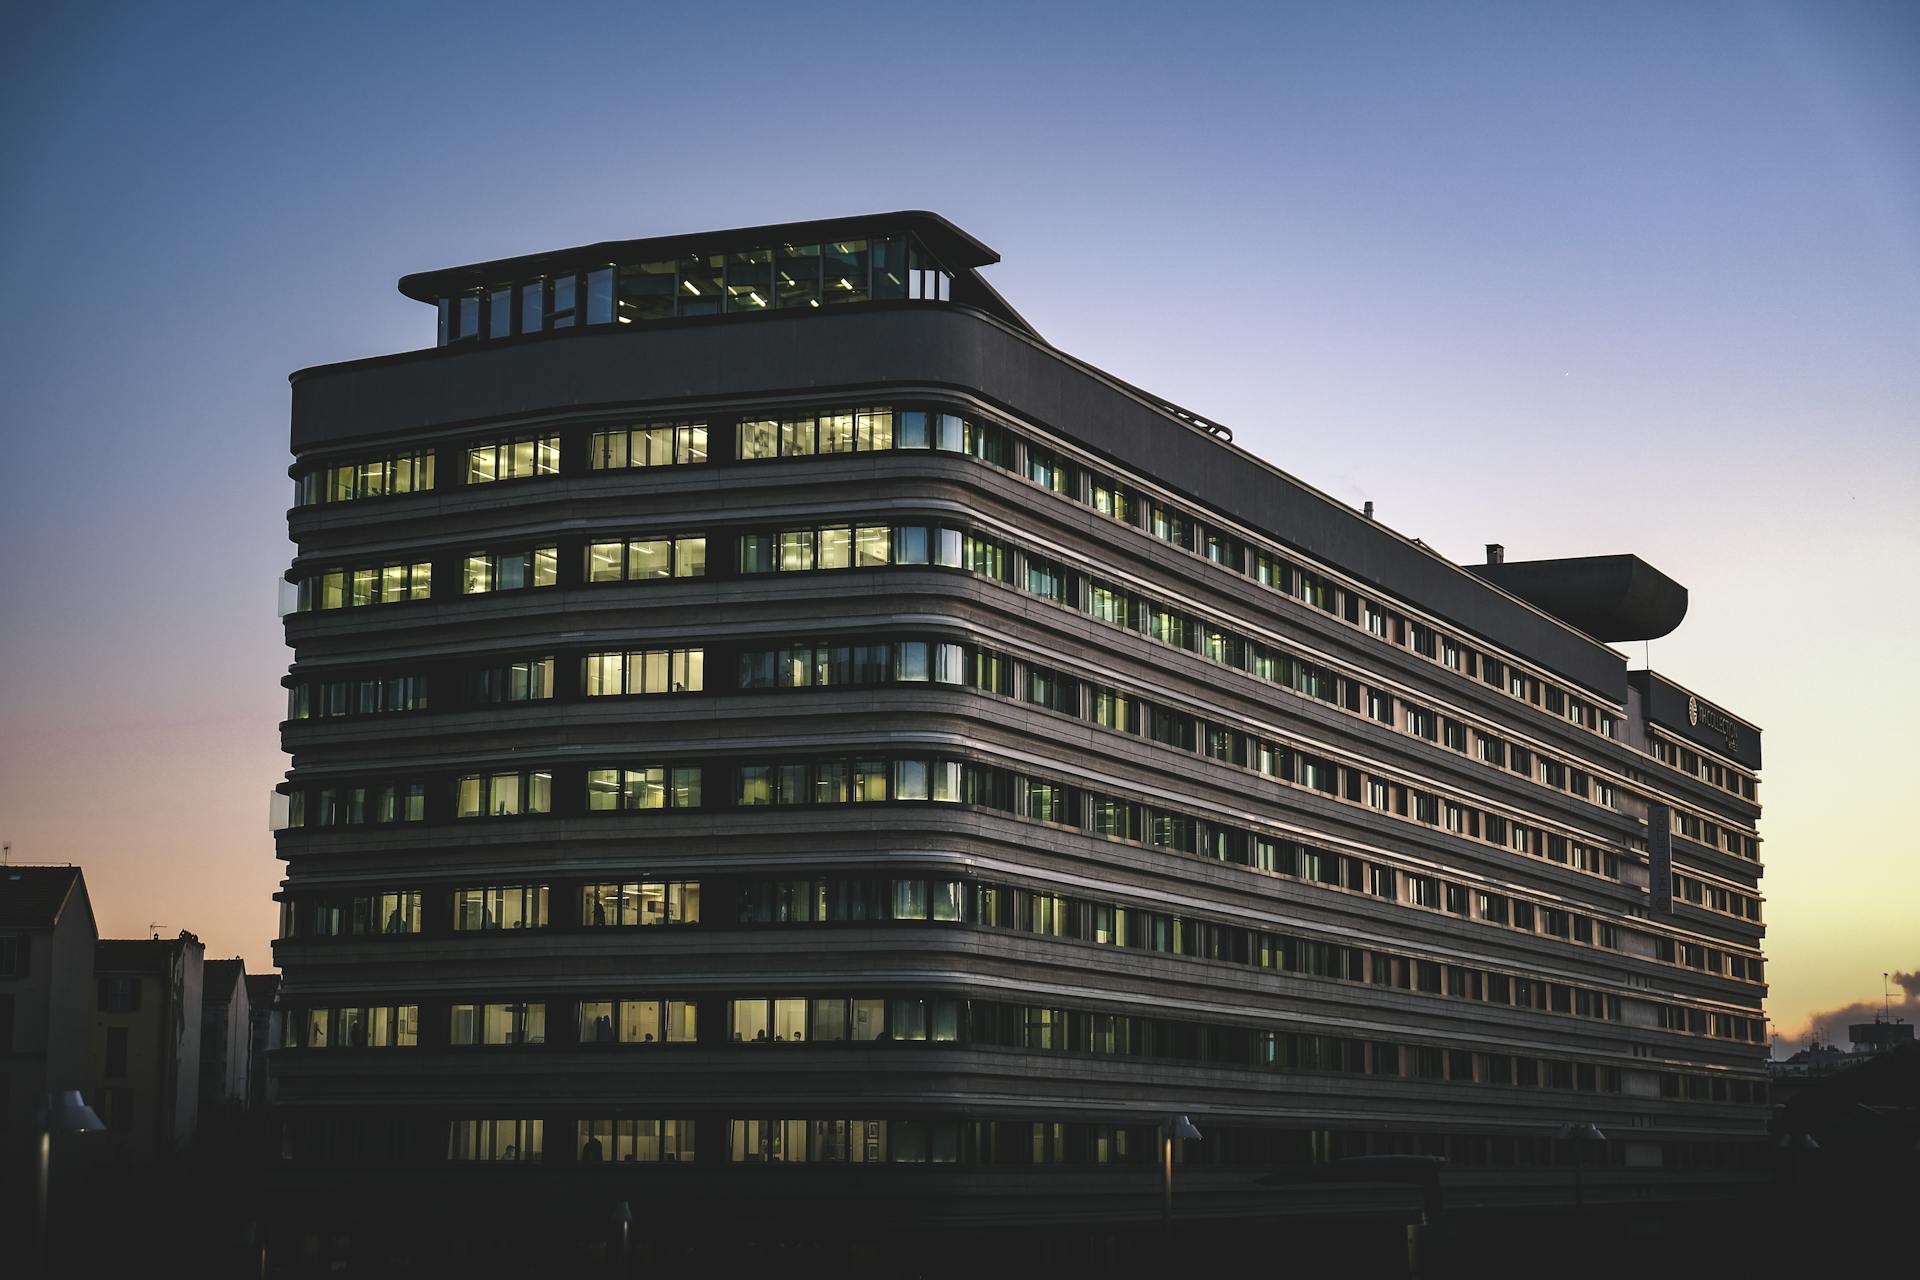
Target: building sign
(1717, 723)
(1660, 859)
(1697, 721)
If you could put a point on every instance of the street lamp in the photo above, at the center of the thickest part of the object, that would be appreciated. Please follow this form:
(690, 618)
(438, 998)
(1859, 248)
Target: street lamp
(62, 1112)
(1176, 1127)
(1798, 1144)
(623, 1220)
(1580, 1133)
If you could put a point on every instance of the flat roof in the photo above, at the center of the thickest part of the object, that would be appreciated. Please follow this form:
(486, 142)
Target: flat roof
(955, 249)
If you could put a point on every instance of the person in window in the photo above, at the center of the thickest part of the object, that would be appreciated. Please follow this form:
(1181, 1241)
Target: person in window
(648, 1038)
(603, 1030)
(395, 924)
(760, 1036)
(592, 1153)
(599, 910)
(511, 1153)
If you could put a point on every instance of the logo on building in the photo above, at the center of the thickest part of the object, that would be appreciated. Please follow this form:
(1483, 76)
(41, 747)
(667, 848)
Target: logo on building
(1693, 711)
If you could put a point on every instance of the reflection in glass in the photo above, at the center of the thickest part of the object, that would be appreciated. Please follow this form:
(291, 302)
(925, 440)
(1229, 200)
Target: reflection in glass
(646, 291)
(798, 275)
(700, 278)
(844, 271)
(749, 281)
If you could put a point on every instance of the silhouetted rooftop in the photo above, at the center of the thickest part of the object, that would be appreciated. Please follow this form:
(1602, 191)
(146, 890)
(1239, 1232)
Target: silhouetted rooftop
(33, 897)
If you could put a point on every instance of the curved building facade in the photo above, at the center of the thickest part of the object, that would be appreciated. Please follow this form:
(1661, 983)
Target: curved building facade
(778, 745)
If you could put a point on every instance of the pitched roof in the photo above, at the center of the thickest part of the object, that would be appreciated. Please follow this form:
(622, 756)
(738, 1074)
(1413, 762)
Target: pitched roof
(35, 896)
(262, 988)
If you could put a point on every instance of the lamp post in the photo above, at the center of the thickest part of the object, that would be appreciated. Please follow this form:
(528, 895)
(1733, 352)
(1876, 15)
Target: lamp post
(623, 1223)
(1798, 1144)
(1580, 1133)
(62, 1112)
(1175, 1127)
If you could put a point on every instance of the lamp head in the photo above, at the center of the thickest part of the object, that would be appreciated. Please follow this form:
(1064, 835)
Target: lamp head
(70, 1113)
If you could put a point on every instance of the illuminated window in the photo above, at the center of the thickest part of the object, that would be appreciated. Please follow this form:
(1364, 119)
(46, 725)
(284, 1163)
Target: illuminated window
(657, 445)
(643, 787)
(508, 1141)
(513, 459)
(488, 571)
(639, 903)
(514, 1023)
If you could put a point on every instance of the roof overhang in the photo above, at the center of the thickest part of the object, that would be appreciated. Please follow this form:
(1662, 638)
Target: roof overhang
(954, 248)
(1611, 598)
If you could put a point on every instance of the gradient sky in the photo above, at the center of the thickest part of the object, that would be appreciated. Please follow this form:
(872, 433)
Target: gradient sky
(1643, 277)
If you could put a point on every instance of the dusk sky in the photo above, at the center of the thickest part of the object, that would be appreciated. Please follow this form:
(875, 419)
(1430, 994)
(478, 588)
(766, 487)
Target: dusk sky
(1638, 277)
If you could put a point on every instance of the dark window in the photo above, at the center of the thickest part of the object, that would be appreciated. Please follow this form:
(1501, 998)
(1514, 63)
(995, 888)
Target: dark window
(116, 1053)
(119, 993)
(115, 1106)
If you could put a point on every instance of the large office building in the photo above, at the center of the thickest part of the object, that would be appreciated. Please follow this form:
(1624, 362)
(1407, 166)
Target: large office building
(779, 746)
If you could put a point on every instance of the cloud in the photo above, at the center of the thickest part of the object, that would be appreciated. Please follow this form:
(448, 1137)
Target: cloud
(1832, 1024)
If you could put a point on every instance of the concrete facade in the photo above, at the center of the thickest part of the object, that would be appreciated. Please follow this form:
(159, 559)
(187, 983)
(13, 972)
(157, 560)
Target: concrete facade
(1260, 812)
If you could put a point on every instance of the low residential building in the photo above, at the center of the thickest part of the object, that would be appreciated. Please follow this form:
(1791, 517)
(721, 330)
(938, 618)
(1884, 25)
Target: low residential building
(146, 1043)
(225, 1044)
(47, 936)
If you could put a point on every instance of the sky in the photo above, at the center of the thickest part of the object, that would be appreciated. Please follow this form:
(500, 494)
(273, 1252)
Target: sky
(1578, 279)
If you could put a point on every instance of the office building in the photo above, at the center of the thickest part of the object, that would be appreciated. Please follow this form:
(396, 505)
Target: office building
(779, 744)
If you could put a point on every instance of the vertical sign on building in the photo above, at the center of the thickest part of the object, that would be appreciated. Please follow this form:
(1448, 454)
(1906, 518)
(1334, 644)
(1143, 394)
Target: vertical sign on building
(1660, 858)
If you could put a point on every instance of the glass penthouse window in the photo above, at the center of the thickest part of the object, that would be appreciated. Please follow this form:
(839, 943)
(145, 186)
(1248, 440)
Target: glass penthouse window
(742, 281)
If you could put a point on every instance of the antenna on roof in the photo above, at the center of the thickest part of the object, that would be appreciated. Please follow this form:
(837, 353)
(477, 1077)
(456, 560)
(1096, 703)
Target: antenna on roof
(155, 928)
(6, 853)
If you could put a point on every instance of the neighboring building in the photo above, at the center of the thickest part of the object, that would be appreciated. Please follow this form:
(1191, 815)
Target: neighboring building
(46, 983)
(1847, 1157)
(1868, 1040)
(226, 1026)
(146, 1044)
(263, 1030)
(756, 702)
(1880, 1035)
